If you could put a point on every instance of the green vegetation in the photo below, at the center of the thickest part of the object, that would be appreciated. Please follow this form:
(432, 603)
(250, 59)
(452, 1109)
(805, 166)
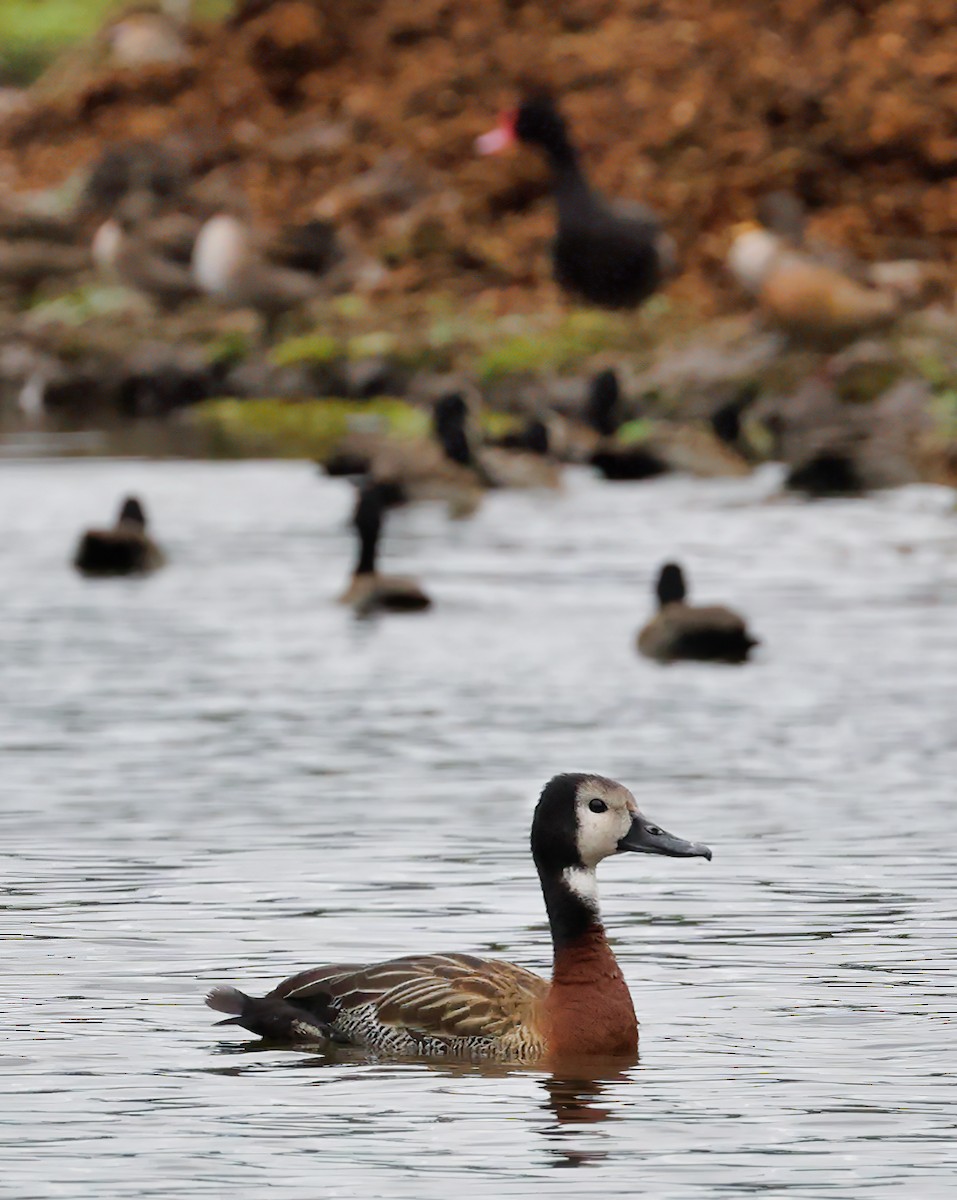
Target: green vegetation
(34, 32)
(83, 304)
(563, 347)
(298, 428)
(311, 348)
(312, 428)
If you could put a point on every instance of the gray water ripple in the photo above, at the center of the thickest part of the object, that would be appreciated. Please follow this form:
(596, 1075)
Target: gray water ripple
(217, 775)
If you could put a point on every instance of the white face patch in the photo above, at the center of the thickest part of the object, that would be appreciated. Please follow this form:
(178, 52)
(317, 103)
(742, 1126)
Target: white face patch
(583, 883)
(604, 812)
(218, 253)
(106, 244)
(751, 257)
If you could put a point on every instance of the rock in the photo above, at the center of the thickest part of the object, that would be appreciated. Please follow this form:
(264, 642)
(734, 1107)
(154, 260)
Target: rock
(378, 376)
(257, 378)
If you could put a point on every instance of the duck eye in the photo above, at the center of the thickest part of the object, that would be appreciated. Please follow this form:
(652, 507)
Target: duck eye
(598, 805)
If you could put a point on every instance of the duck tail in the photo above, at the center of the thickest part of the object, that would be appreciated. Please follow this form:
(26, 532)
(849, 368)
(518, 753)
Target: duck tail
(275, 1019)
(228, 1000)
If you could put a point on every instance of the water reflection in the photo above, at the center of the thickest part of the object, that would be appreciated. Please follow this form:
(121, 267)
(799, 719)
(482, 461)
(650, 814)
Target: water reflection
(574, 1097)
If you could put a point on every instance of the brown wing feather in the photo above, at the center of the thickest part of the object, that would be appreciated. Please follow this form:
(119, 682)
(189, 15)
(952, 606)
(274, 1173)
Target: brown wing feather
(436, 995)
(709, 616)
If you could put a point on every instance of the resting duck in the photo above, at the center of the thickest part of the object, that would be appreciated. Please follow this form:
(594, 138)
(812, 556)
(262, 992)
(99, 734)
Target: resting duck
(369, 591)
(144, 261)
(126, 549)
(706, 633)
(811, 299)
(610, 458)
(612, 255)
(522, 459)
(442, 467)
(458, 1005)
(531, 438)
(233, 266)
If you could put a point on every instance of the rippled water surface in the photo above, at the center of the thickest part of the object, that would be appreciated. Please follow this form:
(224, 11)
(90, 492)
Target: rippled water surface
(216, 775)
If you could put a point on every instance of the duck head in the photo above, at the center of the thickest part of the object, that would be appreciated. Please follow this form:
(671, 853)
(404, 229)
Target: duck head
(221, 247)
(107, 243)
(752, 255)
(582, 819)
(603, 398)
(671, 587)
(132, 513)
(537, 440)
(536, 122)
(372, 500)
(449, 428)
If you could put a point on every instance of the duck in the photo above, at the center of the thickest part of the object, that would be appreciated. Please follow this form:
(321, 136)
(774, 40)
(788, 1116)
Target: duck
(455, 1005)
(369, 591)
(149, 261)
(812, 300)
(522, 459)
(704, 633)
(441, 467)
(126, 549)
(611, 255)
(832, 447)
(139, 168)
(233, 266)
(613, 460)
(532, 437)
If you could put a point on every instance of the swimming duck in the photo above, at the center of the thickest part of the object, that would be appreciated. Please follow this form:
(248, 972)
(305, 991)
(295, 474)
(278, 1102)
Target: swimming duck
(612, 255)
(678, 630)
(126, 549)
(835, 448)
(459, 1005)
(369, 591)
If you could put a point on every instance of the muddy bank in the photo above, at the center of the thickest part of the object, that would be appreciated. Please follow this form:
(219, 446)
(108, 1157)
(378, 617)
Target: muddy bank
(366, 113)
(880, 413)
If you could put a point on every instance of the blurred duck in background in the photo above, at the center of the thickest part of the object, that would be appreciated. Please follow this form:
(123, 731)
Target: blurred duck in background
(126, 549)
(152, 259)
(808, 290)
(369, 591)
(523, 459)
(711, 447)
(240, 269)
(441, 466)
(616, 460)
(706, 633)
(614, 255)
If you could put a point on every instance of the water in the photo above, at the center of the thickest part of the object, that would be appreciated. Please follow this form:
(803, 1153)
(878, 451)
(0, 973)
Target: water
(217, 775)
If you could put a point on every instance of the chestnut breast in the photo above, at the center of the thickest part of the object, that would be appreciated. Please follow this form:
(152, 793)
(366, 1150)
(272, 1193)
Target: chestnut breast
(588, 1009)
